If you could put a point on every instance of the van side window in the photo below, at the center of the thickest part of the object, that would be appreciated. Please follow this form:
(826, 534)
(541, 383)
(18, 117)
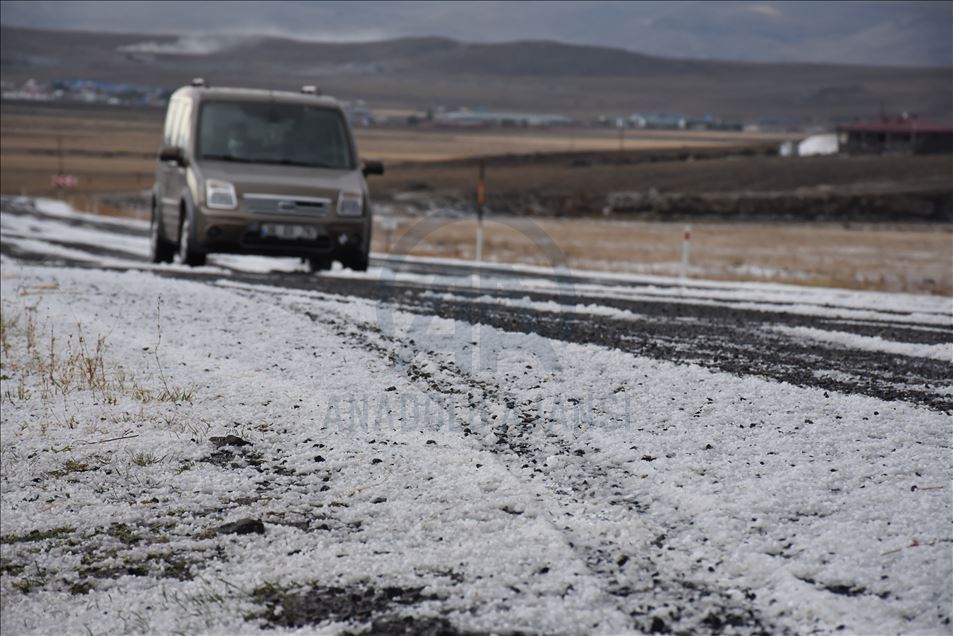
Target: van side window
(170, 121)
(184, 125)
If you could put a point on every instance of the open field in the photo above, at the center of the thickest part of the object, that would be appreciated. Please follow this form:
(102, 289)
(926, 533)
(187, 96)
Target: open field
(429, 145)
(917, 258)
(643, 171)
(119, 147)
(113, 150)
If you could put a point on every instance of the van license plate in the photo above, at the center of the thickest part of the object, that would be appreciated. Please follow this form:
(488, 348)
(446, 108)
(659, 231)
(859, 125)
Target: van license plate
(289, 232)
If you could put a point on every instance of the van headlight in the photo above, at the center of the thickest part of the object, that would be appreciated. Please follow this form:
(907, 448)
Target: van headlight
(220, 195)
(350, 204)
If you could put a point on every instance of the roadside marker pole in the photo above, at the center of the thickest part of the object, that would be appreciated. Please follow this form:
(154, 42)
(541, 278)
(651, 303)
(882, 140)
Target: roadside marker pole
(481, 201)
(686, 250)
(479, 241)
(389, 224)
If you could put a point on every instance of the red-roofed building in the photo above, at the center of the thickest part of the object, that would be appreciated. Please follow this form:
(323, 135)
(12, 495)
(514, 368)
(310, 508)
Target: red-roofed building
(901, 135)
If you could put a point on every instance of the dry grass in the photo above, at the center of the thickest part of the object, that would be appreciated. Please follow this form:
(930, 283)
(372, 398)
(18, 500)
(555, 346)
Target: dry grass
(75, 364)
(40, 357)
(118, 148)
(554, 174)
(911, 259)
(443, 144)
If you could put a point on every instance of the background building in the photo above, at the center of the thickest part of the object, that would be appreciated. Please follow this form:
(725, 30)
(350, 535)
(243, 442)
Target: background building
(906, 135)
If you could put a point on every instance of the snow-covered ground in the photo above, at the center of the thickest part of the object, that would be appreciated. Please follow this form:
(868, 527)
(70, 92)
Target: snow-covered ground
(421, 473)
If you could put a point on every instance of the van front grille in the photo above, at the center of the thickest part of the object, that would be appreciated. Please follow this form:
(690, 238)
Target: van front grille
(290, 204)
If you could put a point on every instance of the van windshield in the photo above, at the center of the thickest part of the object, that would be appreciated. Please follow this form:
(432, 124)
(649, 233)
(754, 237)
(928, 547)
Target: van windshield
(266, 132)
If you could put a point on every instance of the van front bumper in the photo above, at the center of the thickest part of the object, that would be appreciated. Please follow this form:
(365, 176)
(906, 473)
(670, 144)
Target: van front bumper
(242, 234)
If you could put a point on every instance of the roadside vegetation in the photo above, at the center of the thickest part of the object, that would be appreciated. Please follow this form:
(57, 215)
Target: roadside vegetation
(67, 380)
(56, 362)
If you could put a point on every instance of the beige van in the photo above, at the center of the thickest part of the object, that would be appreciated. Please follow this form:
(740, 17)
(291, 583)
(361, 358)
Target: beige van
(260, 172)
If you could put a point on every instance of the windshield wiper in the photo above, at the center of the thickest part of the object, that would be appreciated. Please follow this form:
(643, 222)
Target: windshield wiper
(279, 162)
(230, 158)
(306, 164)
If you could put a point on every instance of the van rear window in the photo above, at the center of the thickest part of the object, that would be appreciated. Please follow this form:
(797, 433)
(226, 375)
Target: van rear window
(266, 132)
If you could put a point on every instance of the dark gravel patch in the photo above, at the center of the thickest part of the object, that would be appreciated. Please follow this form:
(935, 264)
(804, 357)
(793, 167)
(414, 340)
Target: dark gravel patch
(284, 607)
(411, 626)
(241, 526)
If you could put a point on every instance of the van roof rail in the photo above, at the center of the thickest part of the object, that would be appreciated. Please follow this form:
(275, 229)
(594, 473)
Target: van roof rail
(309, 89)
(199, 82)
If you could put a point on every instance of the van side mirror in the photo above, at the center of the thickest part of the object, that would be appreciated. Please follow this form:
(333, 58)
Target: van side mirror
(173, 153)
(372, 167)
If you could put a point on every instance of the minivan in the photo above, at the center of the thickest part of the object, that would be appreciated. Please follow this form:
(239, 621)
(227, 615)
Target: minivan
(246, 171)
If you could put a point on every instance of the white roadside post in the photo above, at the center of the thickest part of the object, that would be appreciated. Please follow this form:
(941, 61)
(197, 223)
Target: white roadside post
(480, 202)
(389, 224)
(478, 255)
(686, 250)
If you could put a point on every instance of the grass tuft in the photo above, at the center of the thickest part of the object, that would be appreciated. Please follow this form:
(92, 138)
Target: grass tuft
(38, 535)
(144, 459)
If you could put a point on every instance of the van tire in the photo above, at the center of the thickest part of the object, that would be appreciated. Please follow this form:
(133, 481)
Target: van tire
(187, 255)
(356, 261)
(160, 250)
(319, 263)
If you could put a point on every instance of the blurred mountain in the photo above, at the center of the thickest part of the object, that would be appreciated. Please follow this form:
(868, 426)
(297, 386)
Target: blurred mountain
(425, 72)
(907, 33)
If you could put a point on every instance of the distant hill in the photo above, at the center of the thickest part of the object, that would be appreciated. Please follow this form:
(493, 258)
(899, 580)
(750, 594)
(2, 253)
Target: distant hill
(526, 75)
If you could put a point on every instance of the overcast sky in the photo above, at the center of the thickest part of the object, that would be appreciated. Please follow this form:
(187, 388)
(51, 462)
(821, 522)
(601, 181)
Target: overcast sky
(902, 33)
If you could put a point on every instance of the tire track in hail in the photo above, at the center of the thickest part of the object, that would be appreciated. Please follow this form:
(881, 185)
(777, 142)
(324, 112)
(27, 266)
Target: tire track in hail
(643, 583)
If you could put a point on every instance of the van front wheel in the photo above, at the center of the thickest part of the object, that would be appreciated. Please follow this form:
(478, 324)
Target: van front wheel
(319, 263)
(160, 250)
(187, 255)
(356, 261)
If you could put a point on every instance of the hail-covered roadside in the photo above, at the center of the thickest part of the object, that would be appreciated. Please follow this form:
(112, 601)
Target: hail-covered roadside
(220, 454)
